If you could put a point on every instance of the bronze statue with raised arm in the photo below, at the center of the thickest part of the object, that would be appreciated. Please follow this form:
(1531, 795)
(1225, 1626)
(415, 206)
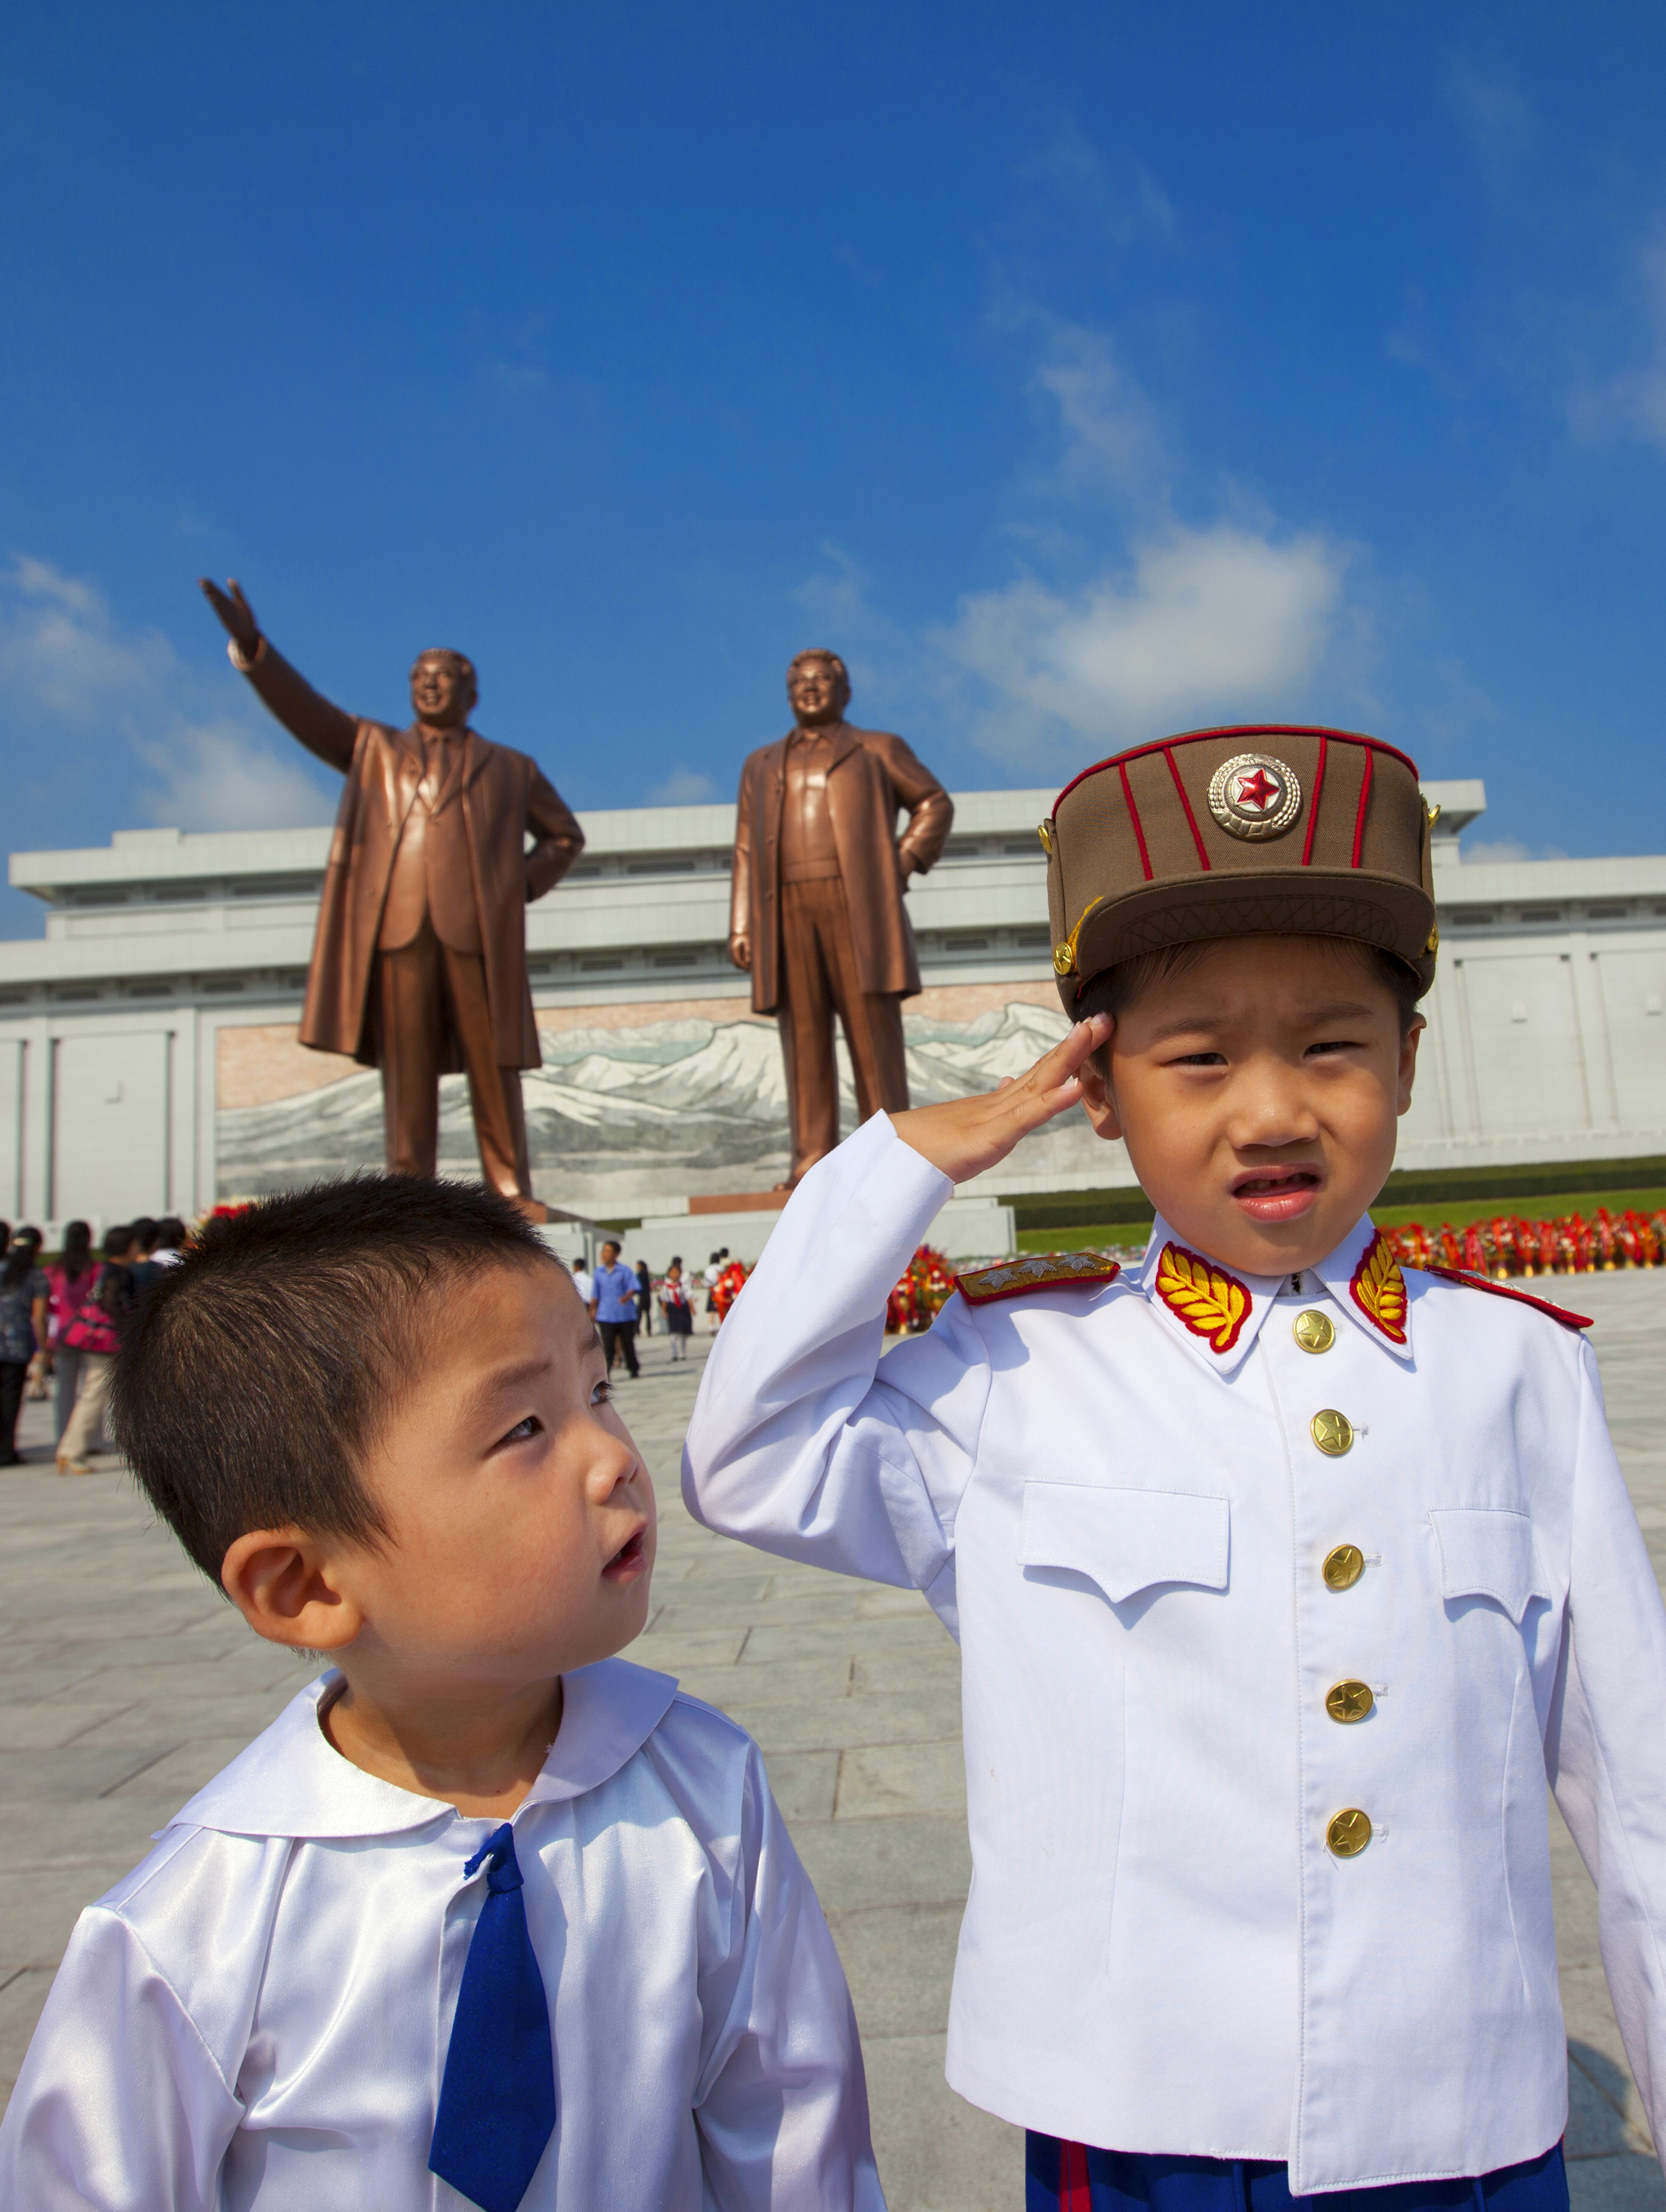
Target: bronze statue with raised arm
(817, 910)
(419, 965)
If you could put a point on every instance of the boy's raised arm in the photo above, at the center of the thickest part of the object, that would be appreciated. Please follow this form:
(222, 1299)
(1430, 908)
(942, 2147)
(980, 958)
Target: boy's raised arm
(797, 1445)
(794, 1446)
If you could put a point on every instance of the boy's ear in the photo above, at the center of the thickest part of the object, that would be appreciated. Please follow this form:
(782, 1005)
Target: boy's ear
(1409, 1063)
(280, 1581)
(1097, 1100)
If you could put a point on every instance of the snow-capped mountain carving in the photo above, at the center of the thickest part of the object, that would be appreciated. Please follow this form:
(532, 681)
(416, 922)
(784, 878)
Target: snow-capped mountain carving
(618, 1117)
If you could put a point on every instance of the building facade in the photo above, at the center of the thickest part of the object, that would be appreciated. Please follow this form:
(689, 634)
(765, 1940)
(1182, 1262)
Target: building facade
(148, 1061)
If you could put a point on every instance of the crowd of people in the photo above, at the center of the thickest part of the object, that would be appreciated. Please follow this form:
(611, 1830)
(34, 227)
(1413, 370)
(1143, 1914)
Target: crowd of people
(62, 1316)
(61, 1321)
(622, 1299)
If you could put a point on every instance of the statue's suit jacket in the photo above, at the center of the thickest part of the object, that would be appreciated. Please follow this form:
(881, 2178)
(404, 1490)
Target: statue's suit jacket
(870, 775)
(504, 796)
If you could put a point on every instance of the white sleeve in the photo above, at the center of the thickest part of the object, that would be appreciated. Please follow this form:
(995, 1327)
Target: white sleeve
(119, 2106)
(781, 2104)
(1605, 1749)
(804, 1441)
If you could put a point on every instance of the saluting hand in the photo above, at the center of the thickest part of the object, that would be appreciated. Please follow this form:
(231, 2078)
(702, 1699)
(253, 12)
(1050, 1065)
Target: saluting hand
(235, 611)
(967, 1135)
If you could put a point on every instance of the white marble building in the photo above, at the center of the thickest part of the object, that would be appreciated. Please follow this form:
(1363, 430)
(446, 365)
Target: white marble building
(148, 1061)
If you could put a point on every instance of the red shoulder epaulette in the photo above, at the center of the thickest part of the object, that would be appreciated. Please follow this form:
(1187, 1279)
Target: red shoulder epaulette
(1505, 1290)
(1048, 1271)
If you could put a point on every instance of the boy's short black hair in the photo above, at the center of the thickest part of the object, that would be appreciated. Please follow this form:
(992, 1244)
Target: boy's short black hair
(261, 1370)
(1115, 989)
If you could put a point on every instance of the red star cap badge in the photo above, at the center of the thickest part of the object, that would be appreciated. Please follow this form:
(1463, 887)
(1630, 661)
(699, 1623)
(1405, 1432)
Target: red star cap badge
(1259, 791)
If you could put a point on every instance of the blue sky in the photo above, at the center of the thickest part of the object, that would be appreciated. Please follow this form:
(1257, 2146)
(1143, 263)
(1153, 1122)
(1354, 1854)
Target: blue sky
(1081, 372)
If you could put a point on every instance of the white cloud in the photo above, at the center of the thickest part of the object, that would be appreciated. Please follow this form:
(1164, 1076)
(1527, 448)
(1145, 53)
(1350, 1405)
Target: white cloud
(1112, 434)
(1633, 403)
(683, 787)
(210, 777)
(1495, 117)
(518, 376)
(66, 663)
(1216, 620)
(1127, 203)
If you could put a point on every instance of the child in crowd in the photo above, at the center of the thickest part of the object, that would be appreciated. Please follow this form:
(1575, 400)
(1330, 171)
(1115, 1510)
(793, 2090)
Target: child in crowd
(679, 1312)
(1284, 1580)
(488, 1916)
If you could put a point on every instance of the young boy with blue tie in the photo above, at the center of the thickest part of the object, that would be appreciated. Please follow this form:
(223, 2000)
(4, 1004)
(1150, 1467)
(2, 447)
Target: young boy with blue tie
(1285, 1579)
(488, 1916)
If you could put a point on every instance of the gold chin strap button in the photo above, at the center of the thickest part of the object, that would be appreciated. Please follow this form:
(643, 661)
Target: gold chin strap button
(1349, 1701)
(1314, 1331)
(1348, 1833)
(1343, 1567)
(1332, 1431)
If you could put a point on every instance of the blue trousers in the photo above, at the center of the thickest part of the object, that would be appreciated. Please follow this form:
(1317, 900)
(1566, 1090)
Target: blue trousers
(1060, 2177)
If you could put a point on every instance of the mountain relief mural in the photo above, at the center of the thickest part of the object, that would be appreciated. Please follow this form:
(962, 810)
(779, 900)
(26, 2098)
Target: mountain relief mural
(660, 1107)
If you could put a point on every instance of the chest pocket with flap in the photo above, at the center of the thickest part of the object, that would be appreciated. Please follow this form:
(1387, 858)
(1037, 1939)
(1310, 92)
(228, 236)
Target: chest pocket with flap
(1488, 1551)
(1126, 1539)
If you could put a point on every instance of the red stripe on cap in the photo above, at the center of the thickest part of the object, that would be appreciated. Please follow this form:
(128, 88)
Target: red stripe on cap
(1133, 817)
(1191, 821)
(1359, 819)
(1075, 2189)
(1313, 803)
(1238, 730)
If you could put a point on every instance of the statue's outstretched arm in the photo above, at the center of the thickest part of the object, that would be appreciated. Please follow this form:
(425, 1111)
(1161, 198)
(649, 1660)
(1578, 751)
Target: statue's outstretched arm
(322, 727)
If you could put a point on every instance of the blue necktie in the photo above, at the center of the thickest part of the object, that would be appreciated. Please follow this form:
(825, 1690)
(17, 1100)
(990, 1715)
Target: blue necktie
(497, 2098)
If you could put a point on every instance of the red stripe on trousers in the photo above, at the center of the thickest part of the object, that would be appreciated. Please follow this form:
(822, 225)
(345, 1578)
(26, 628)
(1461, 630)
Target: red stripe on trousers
(1075, 2190)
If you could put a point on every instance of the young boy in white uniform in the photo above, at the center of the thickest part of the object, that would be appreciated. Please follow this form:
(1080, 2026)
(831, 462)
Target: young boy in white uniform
(1284, 1581)
(487, 1916)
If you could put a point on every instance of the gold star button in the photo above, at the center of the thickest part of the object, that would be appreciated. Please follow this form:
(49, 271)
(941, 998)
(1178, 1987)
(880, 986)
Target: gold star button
(1348, 1833)
(1332, 1431)
(1314, 1331)
(1349, 1701)
(1343, 1567)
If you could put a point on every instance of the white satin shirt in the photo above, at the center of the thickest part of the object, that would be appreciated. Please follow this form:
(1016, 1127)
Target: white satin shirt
(1127, 1530)
(259, 2014)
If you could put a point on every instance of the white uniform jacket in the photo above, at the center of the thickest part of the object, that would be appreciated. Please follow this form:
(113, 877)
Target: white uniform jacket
(1127, 1529)
(259, 2014)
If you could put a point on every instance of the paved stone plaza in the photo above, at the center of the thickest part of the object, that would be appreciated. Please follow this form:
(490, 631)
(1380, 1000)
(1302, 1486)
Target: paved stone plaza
(125, 1683)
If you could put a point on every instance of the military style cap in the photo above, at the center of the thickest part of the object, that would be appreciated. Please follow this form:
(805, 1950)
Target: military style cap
(1262, 829)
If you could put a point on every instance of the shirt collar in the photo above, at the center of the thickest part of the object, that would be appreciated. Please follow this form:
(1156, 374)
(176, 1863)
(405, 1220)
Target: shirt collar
(1220, 1312)
(291, 1781)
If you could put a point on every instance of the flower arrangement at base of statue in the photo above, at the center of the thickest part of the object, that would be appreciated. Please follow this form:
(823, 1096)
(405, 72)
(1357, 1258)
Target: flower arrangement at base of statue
(1507, 1245)
(925, 1287)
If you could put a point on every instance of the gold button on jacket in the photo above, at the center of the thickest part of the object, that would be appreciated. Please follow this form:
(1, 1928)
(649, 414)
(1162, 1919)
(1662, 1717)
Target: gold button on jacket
(1314, 1331)
(1349, 1701)
(1332, 1431)
(1343, 1567)
(1348, 1833)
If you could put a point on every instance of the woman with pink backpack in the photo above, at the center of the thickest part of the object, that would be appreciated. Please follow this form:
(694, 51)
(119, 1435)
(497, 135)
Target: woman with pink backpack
(93, 1332)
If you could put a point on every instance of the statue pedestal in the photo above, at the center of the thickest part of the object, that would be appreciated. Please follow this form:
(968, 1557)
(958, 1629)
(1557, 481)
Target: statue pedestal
(966, 1229)
(740, 1201)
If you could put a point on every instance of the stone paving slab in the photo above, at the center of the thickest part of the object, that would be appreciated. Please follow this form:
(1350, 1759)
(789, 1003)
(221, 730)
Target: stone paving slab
(125, 1682)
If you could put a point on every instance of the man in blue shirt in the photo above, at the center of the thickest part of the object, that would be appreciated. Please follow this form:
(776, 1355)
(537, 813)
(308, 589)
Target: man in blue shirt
(616, 1309)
